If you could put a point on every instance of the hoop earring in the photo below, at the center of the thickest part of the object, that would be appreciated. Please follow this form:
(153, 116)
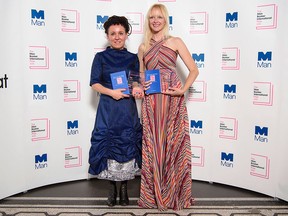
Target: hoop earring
(130, 29)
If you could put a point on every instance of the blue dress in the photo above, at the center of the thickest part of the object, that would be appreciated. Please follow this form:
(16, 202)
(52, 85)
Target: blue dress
(116, 139)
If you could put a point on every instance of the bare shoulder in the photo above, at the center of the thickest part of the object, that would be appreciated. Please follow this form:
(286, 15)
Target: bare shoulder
(141, 47)
(174, 42)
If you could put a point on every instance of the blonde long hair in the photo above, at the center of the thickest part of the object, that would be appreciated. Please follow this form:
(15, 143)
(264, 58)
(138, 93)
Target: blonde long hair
(147, 30)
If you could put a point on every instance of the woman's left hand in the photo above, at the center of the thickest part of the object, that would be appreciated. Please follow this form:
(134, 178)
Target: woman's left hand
(174, 92)
(137, 92)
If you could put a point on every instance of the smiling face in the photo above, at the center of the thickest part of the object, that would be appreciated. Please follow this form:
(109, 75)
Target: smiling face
(117, 36)
(156, 20)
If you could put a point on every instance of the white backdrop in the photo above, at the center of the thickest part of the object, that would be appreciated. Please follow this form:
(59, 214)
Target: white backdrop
(237, 106)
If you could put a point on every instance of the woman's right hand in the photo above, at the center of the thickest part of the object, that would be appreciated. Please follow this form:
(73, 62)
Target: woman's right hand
(146, 85)
(117, 94)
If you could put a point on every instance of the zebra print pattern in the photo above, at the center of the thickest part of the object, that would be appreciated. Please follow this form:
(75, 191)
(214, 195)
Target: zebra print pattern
(166, 179)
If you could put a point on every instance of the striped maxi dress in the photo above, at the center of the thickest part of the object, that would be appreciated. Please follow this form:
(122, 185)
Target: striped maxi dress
(166, 179)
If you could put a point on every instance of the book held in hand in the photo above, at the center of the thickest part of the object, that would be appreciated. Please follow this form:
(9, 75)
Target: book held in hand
(119, 81)
(154, 76)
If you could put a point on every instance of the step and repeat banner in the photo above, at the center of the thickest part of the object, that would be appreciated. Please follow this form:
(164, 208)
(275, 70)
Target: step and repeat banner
(237, 106)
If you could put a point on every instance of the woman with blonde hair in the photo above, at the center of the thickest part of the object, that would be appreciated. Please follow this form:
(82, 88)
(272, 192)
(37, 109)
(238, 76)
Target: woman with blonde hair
(166, 179)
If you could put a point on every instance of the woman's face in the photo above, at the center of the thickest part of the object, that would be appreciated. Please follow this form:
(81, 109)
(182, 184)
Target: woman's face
(156, 20)
(117, 36)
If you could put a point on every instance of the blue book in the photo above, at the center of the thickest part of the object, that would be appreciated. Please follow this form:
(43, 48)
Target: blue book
(154, 76)
(119, 80)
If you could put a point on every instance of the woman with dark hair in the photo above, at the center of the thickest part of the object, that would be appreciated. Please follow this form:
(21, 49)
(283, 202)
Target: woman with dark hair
(115, 152)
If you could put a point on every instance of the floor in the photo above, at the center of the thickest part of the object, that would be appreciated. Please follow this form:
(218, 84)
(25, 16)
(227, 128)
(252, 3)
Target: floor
(88, 198)
(95, 190)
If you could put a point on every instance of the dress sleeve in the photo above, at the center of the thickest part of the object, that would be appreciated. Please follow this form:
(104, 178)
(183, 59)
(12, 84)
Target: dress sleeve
(137, 65)
(96, 70)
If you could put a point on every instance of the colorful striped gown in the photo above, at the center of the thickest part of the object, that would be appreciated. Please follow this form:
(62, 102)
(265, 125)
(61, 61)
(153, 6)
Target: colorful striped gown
(166, 152)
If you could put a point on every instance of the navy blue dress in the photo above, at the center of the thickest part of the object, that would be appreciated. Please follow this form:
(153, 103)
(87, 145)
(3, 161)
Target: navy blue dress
(117, 132)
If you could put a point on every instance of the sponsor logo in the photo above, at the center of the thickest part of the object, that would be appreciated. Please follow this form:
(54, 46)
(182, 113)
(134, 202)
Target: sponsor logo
(100, 20)
(136, 21)
(39, 92)
(231, 20)
(267, 16)
(72, 127)
(263, 93)
(4, 81)
(71, 90)
(41, 161)
(261, 134)
(196, 127)
(197, 92)
(198, 156)
(39, 57)
(229, 92)
(199, 59)
(70, 20)
(40, 129)
(230, 58)
(37, 17)
(73, 157)
(171, 23)
(264, 59)
(227, 159)
(198, 23)
(260, 166)
(71, 59)
(228, 128)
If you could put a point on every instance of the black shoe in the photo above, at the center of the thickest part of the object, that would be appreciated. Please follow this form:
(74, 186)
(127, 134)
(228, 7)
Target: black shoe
(112, 194)
(124, 200)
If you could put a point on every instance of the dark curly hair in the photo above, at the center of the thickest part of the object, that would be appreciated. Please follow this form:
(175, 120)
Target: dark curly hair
(118, 20)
